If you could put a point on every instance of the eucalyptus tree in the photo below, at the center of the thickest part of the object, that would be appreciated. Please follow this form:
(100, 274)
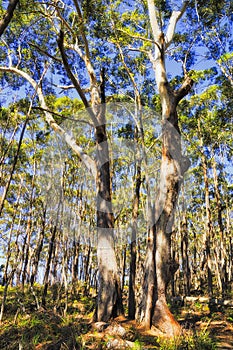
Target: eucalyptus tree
(71, 36)
(77, 46)
(158, 265)
(173, 167)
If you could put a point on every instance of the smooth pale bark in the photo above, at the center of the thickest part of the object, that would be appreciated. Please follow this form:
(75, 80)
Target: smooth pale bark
(173, 167)
(165, 267)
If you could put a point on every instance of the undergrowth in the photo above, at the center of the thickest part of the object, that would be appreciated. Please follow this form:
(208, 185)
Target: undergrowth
(68, 326)
(189, 341)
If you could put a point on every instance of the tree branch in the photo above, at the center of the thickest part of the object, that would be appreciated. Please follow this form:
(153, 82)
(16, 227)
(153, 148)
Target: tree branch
(184, 89)
(176, 15)
(8, 15)
(73, 79)
(153, 20)
(45, 53)
(137, 36)
(60, 42)
(62, 116)
(88, 161)
(82, 29)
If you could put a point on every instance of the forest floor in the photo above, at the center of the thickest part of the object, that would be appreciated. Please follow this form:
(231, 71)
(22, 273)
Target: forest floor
(26, 326)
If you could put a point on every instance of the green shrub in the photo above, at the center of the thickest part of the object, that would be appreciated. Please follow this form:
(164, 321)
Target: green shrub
(189, 341)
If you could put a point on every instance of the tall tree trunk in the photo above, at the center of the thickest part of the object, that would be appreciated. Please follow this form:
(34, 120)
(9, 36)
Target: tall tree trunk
(149, 281)
(132, 276)
(38, 249)
(75, 261)
(222, 249)
(146, 303)
(185, 255)
(48, 264)
(209, 225)
(9, 243)
(229, 262)
(133, 257)
(29, 230)
(27, 250)
(124, 253)
(21, 262)
(86, 268)
(109, 301)
(17, 253)
(173, 167)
